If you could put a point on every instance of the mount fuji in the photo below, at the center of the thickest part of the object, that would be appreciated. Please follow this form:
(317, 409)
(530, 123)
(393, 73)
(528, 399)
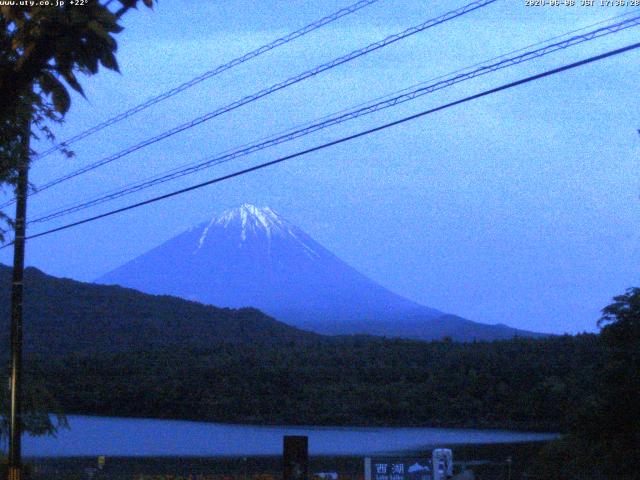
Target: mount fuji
(251, 256)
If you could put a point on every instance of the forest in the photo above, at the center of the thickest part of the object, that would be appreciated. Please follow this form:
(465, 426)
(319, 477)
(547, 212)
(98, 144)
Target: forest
(516, 384)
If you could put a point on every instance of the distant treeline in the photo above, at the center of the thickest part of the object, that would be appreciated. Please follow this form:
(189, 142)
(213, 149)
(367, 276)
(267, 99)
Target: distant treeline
(514, 384)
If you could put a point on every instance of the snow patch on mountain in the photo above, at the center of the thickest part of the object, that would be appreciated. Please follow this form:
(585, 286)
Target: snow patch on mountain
(254, 221)
(204, 235)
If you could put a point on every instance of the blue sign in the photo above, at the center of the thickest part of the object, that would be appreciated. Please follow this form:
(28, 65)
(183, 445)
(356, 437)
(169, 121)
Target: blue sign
(398, 468)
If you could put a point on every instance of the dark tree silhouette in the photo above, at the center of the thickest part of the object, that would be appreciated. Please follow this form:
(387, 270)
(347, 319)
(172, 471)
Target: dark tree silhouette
(42, 49)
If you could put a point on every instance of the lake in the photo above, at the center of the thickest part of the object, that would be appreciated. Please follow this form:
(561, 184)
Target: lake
(90, 436)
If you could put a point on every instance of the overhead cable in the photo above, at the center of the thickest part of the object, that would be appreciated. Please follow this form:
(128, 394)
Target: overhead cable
(274, 88)
(340, 140)
(211, 73)
(346, 116)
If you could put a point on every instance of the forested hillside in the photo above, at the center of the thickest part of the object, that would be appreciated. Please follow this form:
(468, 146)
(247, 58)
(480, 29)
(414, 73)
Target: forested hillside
(527, 384)
(63, 315)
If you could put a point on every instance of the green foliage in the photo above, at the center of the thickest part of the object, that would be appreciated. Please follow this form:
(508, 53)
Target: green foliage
(42, 49)
(40, 415)
(619, 396)
(521, 383)
(605, 433)
(620, 321)
(43, 45)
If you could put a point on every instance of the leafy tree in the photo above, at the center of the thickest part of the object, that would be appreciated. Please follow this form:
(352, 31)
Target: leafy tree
(620, 322)
(42, 49)
(38, 406)
(605, 435)
(44, 44)
(619, 418)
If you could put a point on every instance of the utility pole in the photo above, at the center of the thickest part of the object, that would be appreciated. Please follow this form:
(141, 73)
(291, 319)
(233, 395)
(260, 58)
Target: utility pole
(15, 419)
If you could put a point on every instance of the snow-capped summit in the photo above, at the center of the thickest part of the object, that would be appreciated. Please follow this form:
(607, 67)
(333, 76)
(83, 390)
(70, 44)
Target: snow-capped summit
(252, 217)
(251, 222)
(254, 257)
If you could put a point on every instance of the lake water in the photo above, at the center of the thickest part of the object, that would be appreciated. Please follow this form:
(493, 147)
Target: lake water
(145, 437)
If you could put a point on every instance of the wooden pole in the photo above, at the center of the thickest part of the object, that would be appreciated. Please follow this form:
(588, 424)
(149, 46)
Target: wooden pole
(15, 419)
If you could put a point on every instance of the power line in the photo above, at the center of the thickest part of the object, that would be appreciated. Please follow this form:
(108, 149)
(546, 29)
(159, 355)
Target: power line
(349, 115)
(274, 88)
(328, 116)
(212, 73)
(341, 140)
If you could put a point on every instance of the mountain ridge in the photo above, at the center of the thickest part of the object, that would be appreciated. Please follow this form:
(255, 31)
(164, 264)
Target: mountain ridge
(250, 256)
(63, 315)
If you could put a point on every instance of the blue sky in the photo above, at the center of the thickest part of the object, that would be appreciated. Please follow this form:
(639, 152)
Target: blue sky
(520, 208)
